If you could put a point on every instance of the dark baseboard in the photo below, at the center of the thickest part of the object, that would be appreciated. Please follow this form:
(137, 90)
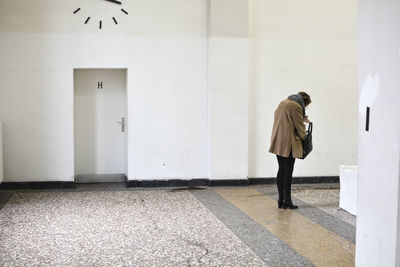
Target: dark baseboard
(254, 181)
(173, 183)
(37, 185)
(187, 183)
(229, 182)
(297, 180)
(167, 183)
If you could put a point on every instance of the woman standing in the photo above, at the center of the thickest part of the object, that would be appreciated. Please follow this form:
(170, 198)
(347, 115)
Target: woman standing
(287, 133)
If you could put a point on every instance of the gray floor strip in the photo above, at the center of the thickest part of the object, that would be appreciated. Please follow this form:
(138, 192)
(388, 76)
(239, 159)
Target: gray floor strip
(5, 195)
(330, 222)
(268, 247)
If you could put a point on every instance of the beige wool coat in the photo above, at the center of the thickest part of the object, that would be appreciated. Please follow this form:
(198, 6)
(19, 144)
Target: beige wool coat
(288, 130)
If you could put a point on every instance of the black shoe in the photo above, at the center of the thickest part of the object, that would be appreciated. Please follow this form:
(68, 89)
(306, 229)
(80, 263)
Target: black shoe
(280, 203)
(289, 205)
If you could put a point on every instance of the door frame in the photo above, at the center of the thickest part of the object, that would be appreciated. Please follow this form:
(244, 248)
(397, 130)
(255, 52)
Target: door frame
(126, 154)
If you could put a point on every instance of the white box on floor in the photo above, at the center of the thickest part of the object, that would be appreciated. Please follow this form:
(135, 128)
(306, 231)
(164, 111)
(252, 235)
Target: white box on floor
(348, 188)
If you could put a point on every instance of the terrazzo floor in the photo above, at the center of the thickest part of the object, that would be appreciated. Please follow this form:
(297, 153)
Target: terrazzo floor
(325, 197)
(110, 225)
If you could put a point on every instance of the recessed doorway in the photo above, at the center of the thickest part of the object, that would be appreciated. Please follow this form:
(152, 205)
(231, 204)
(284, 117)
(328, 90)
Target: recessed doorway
(100, 125)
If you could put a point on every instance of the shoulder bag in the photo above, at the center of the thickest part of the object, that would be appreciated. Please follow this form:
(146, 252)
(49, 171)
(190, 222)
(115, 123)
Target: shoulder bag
(307, 143)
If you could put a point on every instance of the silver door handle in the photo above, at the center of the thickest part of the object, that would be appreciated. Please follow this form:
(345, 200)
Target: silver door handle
(122, 122)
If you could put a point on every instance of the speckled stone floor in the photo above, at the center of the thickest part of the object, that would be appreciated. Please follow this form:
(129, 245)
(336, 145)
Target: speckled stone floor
(108, 224)
(146, 228)
(324, 197)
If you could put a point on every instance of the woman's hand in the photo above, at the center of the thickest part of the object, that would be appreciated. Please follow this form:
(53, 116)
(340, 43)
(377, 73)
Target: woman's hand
(306, 120)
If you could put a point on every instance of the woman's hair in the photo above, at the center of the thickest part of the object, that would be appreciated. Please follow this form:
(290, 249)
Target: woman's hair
(306, 97)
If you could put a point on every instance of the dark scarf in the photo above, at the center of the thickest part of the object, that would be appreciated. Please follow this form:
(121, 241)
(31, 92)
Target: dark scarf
(299, 99)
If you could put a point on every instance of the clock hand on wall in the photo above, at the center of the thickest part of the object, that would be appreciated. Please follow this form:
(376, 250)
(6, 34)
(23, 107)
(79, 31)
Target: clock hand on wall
(114, 1)
(100, 21)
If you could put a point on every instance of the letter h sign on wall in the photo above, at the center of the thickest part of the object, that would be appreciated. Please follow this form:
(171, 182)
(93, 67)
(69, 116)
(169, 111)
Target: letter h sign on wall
(99, 85)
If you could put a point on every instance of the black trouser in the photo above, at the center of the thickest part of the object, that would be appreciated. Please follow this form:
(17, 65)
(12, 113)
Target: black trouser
(284, 177)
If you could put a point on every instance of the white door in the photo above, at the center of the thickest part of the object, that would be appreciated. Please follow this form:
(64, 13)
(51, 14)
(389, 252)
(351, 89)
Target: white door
(99, 116)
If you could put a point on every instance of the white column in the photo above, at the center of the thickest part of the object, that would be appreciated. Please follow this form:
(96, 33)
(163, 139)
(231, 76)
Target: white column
(377, 242)
(1, 152)
(228, 85)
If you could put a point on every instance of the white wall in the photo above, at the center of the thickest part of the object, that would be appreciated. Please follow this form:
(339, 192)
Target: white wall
(229, 85)
(309, 46)
(378, 186)
(201, 98)
(162, 45)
